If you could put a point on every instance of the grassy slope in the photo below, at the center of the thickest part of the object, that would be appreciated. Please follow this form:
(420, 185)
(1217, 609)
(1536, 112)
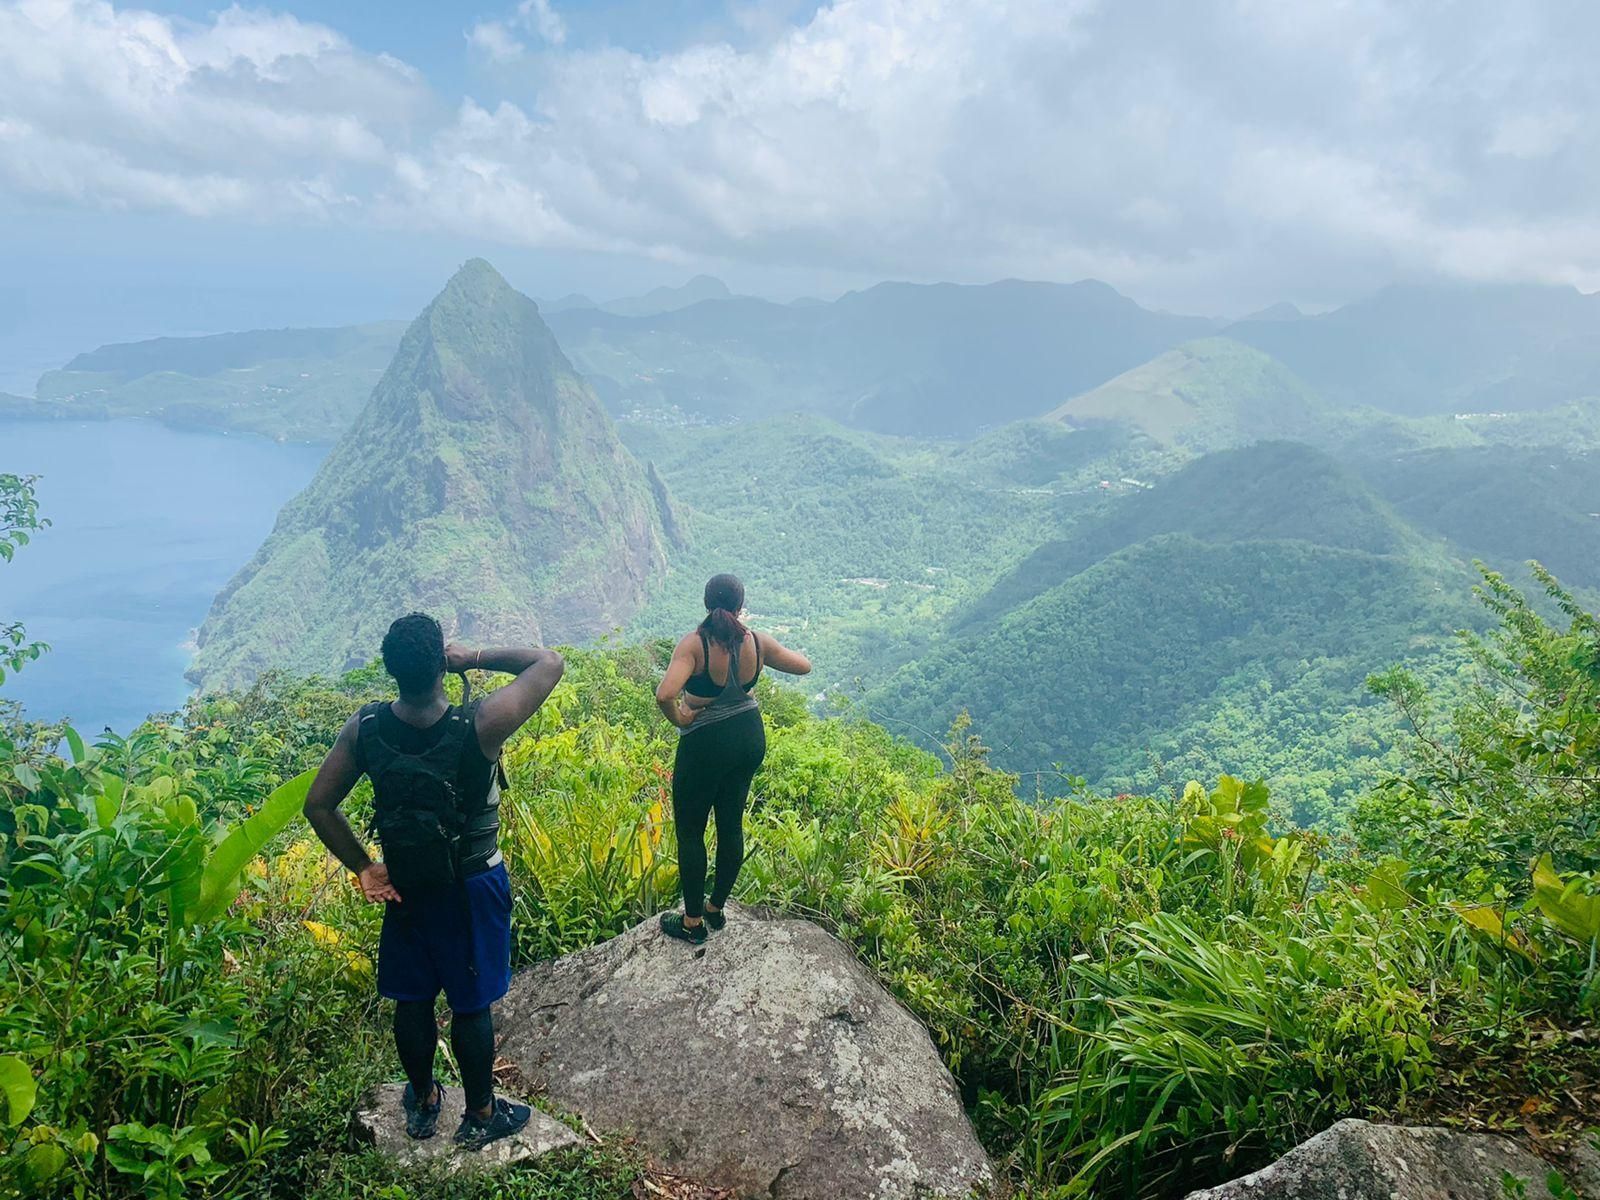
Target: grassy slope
(1203, 395)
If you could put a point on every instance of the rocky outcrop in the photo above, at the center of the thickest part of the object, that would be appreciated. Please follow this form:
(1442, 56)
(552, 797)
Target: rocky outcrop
(1356, 1160)
(380, 1122)
(769, 1061)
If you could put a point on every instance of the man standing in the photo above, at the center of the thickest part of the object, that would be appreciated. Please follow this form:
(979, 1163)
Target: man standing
(435, 771)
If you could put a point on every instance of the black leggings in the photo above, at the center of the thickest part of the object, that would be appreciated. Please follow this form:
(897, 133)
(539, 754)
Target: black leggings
(416, 1036)
(712, 773)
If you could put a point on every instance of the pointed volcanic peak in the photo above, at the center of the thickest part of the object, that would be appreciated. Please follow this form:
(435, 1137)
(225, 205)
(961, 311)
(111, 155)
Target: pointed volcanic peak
(482, 483)
(1212, 394)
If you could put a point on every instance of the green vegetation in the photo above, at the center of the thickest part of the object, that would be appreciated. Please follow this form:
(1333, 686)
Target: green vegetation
(1488, 501)
(19, 520)
(482, 482)
(298, 385)
(1137, 995)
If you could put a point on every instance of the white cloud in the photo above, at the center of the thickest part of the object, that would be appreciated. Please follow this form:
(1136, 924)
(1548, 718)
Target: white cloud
(539, 16)
(1225, 148)
(496, 40)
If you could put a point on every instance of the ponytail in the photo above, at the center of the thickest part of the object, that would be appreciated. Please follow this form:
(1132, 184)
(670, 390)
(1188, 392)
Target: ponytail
(724, 599)
(724, 628)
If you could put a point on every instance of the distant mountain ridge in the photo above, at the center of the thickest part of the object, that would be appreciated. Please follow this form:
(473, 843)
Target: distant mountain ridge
(481, 482)
(944, 359)
(1421, 350)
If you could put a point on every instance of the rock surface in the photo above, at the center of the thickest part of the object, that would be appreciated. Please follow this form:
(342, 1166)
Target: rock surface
(768, 1061)
(380, 1122)
(1356, 1160)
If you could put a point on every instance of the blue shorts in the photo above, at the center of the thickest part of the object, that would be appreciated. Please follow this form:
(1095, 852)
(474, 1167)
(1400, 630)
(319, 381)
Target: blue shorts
(454, 943)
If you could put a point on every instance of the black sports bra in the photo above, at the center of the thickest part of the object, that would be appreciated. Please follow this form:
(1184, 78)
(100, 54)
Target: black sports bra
(703, 687)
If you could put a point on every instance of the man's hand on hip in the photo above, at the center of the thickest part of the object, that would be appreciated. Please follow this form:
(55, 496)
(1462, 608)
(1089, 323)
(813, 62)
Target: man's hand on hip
(375, 885)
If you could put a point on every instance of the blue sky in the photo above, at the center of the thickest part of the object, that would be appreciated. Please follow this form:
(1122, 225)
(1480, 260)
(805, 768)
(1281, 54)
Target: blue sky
(181, 167)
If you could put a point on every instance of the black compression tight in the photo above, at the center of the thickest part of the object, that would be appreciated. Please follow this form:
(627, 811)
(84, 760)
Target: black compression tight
(416, 1036)
(712, 774)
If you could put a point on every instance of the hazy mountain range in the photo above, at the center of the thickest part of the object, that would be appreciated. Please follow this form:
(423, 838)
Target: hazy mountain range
(938, 359)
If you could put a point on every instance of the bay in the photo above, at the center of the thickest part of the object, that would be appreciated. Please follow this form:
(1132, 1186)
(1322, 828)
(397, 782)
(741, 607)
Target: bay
(147, 525)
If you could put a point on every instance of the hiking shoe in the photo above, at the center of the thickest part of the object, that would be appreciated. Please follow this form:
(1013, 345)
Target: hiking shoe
(422, 1120)
(716, 919)
(672, 925)
(504, 1119)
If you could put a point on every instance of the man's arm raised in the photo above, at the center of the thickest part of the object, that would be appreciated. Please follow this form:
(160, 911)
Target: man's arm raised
(505, 710)
(335, 778)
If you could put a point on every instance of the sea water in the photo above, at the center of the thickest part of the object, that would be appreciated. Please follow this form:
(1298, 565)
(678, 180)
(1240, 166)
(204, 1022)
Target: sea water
(147, 525)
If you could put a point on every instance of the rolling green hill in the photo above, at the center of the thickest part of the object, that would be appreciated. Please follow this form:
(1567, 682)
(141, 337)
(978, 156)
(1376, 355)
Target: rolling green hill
(1272, 491)
(289, 384)
(1503, 504)
(1205, 395)
(482, 482)
(1266, 583)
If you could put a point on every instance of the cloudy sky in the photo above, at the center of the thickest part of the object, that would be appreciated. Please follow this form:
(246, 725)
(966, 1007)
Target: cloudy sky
(178, 167)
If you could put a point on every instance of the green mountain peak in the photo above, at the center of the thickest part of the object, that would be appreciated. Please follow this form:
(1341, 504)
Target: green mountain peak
(481, 482)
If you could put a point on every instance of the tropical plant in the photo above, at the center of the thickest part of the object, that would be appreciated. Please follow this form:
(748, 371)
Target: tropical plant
(19, 520)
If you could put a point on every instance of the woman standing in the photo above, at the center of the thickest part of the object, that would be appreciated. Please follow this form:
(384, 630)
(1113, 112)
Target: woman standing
(708, 693)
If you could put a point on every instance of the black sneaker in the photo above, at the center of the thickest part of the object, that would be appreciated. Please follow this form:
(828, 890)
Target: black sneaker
(422, 1120)
(504, 1119)
(672, 925)
(716, 918)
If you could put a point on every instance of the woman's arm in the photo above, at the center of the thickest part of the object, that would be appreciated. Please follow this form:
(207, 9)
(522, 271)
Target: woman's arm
(775, 654)
(669, 695)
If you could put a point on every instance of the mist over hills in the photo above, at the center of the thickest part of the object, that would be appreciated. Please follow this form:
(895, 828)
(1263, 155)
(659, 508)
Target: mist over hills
(1420, 350)
(895, 358)
(482, 482)
(944, 360)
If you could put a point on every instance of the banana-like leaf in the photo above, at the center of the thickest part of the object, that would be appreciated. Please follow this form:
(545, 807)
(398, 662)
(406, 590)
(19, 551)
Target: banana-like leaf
(221, 878)
(17, 1087)
(1565, 903)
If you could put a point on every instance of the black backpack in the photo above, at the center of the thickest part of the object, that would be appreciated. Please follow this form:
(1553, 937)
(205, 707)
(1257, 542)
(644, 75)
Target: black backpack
(417, 811)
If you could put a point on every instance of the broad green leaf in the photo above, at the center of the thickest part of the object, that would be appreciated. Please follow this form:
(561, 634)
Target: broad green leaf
(43, 1162)
(74, 742)
(1386, 885)
(18, 1089)
(220, 881)
(1564, 903)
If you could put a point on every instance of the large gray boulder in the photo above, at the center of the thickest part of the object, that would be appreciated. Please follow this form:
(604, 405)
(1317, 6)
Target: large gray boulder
(769, 1062)
(1356, 1160)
